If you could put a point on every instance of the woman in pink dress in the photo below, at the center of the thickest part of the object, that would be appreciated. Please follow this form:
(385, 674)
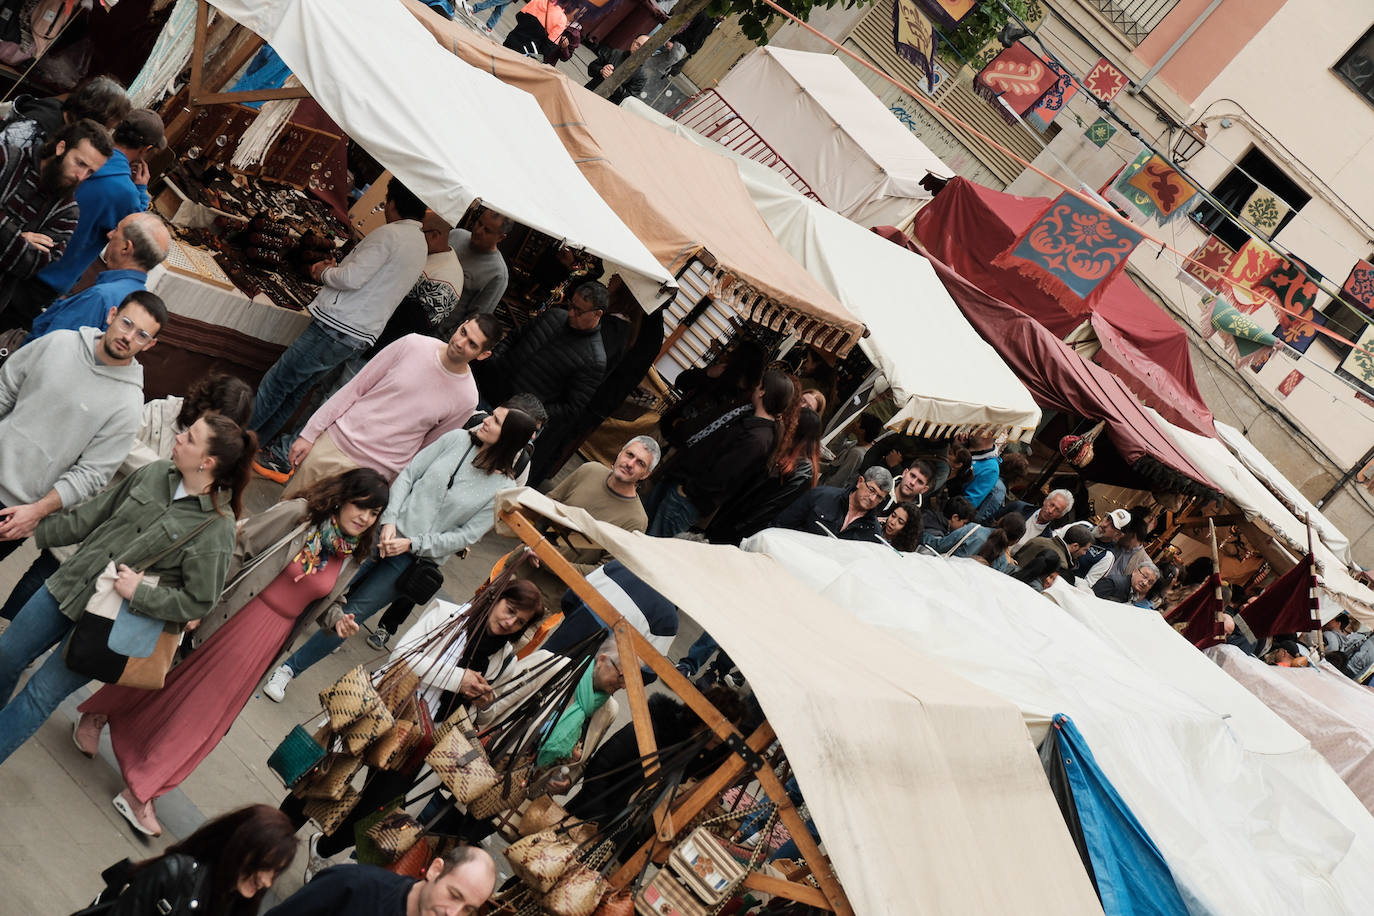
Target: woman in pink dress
(290, 567)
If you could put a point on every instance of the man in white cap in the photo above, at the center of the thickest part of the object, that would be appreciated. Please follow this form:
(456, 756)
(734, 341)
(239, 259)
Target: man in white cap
(1094, 562)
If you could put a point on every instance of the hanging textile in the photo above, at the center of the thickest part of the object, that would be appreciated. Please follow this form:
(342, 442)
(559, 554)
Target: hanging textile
(265, 71)
(1359, 287)
(1017, 77)
(1054, 99)
(1243, 339)
(1358, 365)
(1130, 872)
(1252, 263)
(1099, 131)
(1070, 250)
(1209, 262)
(1136, 203)
(1264, 210)
(913, 35)
(1288, 605)
(1104, 80)
(1291, 287)
(947, 13)
(259, 136)
(1169, 192)
(169, 57)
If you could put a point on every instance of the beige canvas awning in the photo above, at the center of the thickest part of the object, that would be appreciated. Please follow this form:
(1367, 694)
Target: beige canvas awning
(926, 790)
(682, 201)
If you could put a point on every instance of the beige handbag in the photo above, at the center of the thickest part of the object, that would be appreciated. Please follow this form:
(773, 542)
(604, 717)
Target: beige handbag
(664, 896)
(348, 698)
(329, 813)
(706, 866)
(462, 766)
(541, 858)
(333, 778)
(394, 834)
(577, 893)
(367, 728)
(508, 792)
(393, 748)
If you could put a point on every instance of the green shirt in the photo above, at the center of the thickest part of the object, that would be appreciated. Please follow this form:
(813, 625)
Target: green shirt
(130, 523)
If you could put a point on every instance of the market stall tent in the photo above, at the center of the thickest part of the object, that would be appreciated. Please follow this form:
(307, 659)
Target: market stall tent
(959, 385)
(1263, 508)
(1247, 831)
(926, 791)
(828, 127)
(968, 225)
(453, 135)
(686, 203)
(1136, 452)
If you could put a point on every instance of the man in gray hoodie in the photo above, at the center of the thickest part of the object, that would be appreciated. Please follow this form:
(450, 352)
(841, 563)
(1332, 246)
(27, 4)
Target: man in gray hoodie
(70, 404)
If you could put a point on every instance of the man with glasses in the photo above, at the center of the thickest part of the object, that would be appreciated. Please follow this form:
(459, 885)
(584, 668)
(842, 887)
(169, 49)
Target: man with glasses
(850, 515)
(560, 359)
(70, 404)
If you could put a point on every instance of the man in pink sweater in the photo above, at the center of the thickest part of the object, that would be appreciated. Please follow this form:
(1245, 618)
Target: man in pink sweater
(411, 393)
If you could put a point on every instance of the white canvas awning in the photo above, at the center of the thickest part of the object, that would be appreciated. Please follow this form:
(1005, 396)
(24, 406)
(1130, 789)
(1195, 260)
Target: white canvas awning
(1282, 487)
(1254, 499)
(927, 791)
(834, 132)
(1251, 820)
(450, 132)
(944, 377)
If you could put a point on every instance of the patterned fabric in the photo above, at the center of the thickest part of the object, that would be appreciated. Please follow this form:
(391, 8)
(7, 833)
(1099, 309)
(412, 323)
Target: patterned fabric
(1070, 250)
(947, 13)
(322, 542)
(1290, 382)
(1017, 77)
(729, 415)
(1099, 131)
(1138, 205)
(1358, 365)
(1252, 263)
(1264, 210)
(1104, 80)
(1359, 287)
(1209, 262)
(1169, 192)
(1242, 338)
(913, 35)
(1053, 101)
(27, 206)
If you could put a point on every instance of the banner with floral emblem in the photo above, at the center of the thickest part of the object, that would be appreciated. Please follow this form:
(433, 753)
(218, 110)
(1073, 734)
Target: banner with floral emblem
(1016, 78)
(1169, 192)
(1071, 250)
(913, 36)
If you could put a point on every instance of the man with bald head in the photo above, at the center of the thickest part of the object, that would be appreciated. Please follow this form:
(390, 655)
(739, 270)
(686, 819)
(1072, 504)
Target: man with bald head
(133, 247)
(432, 302)
(456, 884)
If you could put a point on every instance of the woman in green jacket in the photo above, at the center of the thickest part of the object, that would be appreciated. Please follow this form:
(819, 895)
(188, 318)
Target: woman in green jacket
(149, 511)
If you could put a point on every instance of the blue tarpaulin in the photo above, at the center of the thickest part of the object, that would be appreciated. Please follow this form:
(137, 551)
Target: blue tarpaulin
(1132, 877)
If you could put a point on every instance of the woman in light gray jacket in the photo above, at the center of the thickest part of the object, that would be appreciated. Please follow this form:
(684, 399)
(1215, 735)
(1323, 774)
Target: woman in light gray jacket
(440, 503)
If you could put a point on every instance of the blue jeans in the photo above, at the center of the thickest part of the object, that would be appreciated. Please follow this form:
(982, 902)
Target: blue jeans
(700, 652)
(674, 515)
(312, 356)
(323, 391)
(29, 583)
(497, 7)
(38, 627)
(373, 588)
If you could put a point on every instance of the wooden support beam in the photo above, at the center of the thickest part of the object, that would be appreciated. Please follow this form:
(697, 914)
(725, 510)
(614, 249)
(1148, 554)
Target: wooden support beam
(251, 95)
(802, 893)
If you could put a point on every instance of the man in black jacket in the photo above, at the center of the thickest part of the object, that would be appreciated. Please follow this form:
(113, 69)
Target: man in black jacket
(847, 514)
(606, 63)
(560, 359)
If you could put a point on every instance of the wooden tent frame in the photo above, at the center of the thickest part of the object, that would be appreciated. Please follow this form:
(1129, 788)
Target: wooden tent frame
(636, 650)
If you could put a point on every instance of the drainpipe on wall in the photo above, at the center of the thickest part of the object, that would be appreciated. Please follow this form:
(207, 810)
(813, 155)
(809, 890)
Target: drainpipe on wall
(1173, 49)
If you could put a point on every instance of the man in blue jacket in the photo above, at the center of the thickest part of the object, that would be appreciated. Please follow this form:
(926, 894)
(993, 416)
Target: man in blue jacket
(137, 245)
(119, 188)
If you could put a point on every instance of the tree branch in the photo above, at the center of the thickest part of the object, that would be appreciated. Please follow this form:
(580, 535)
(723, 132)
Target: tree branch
(683, 13)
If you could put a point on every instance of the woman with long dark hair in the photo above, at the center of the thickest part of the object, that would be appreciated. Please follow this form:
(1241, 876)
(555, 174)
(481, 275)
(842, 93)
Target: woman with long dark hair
(794, 470)
(176, 516)
(296, 559)
(223, 869)
(441, 503)
(902, 527)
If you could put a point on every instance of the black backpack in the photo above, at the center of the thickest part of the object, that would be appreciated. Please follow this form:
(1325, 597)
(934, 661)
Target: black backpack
(173, 885)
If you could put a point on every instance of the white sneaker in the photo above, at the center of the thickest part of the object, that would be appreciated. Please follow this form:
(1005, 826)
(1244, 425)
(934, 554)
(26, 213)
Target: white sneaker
(314, 863)
(275, 688)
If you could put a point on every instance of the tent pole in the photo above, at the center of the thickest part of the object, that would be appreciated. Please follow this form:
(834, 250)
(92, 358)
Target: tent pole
(1216, 563)
(627, 635)
(1312, 592)
(841, 420)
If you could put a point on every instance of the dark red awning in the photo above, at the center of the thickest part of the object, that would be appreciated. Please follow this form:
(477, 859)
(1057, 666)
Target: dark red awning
(1059, 379)
(967, 225)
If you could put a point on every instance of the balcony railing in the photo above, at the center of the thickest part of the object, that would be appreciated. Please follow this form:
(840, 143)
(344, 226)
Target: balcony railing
(1134, 18)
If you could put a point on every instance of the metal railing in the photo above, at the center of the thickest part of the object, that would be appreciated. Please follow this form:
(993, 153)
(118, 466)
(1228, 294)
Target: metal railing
(1135, 18)
(710, 115)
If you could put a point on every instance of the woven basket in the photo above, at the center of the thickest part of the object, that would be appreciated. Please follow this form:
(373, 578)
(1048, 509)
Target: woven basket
(348, 698)
(540, 859)
(296, 756)
(397, 685)
(394, 834)
(577, 892)
(333, 778)
(329, 813)
(463, 767)
(367, 728)
(393, 748)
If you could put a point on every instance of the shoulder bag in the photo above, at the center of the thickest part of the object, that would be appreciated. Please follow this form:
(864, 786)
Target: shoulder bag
(422, 579)
(112, 643)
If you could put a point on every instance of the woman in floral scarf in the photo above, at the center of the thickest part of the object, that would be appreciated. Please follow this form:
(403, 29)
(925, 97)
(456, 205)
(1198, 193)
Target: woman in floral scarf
(290, 567)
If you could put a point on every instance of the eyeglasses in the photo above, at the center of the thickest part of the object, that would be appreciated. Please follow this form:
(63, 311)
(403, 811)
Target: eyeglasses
(126, 325)
(578, 310)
